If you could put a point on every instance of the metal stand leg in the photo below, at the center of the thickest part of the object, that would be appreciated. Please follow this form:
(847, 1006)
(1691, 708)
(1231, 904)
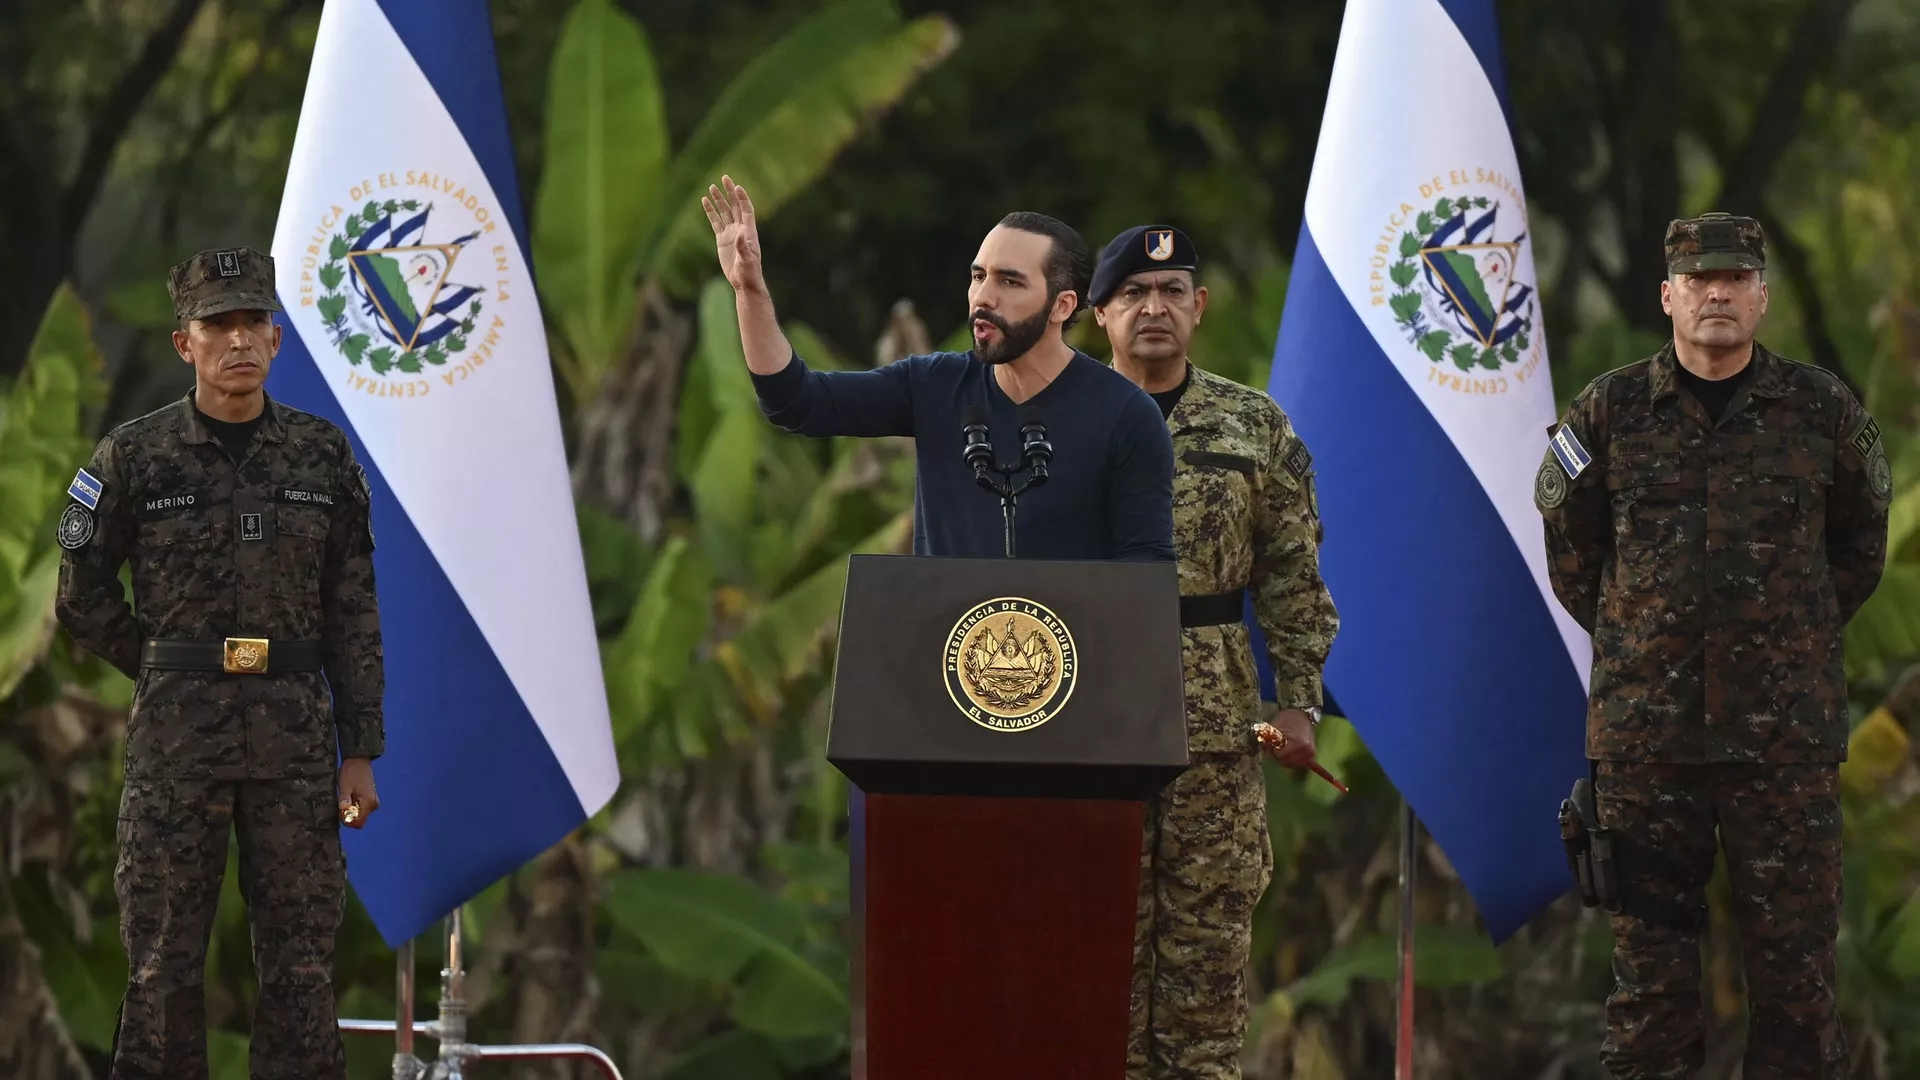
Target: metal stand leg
(1409, 849)
(453, 1007)
(405, 1065)
(451, 1029)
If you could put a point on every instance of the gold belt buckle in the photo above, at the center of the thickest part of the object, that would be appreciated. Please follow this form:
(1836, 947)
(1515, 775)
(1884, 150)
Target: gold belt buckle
(246, 656)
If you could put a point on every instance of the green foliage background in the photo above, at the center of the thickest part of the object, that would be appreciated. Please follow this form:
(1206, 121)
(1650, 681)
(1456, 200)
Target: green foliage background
(697, 927)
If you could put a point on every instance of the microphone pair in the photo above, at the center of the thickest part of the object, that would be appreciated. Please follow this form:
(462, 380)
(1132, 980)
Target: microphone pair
(1036, 452)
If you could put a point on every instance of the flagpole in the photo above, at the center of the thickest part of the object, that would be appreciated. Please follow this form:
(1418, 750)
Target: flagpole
(1409, 844)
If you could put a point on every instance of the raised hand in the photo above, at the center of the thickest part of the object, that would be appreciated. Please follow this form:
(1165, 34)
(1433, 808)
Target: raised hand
(736, 236)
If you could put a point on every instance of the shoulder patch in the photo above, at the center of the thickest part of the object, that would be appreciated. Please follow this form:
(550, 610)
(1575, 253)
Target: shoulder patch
(1865, 438)
(1573, 456)
(363, 493)
(1297, 459)
(86, 489)
(1879, 474)
(1549, 486)
(76, 527)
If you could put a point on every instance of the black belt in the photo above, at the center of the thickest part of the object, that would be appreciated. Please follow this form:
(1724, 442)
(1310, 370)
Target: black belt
(1215, 609)
(237, 656)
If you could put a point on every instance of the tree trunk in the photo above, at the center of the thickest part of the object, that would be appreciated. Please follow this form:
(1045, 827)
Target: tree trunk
(554, 988)
(34, 1044)
(623, 449)
(1646, 173)
(64, 740)
(43, 227)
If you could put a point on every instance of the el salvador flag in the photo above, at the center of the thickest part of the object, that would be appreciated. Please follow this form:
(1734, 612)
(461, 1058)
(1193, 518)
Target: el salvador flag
(411, 322)
(1413, 361)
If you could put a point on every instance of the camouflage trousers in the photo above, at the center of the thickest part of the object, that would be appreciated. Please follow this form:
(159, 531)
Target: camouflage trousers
(1780, 826)
(1205, 859)
(173, 855)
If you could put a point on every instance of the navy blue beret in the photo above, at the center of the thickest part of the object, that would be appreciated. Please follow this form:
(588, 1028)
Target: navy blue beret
(1139, 249)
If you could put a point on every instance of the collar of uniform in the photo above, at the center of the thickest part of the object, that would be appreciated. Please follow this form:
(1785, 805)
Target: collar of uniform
(273, 426)
(1195, 410)
(191, 429)
(1769, 374)
(1661, 381)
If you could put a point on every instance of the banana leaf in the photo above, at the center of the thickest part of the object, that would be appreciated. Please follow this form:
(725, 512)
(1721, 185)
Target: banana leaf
(778, 126)
(42, 444)
(605, 151)
(790, 982)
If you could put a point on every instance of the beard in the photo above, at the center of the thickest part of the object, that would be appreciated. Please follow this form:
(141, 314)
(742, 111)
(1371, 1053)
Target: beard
(1015, 338)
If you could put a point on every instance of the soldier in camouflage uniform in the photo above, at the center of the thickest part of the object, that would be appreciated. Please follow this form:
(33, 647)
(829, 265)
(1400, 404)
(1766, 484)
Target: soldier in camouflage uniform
(253, 638)
(1714, 515)
(1245, 517)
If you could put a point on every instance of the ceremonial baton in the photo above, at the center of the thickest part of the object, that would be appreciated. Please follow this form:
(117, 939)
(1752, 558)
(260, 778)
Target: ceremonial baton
(1274, 740)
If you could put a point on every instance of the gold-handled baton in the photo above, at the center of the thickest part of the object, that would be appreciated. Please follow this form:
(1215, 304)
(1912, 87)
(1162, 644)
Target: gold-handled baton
(1274, 740)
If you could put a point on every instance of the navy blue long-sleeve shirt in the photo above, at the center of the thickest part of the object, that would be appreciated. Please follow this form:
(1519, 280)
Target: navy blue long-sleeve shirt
(1109, 491)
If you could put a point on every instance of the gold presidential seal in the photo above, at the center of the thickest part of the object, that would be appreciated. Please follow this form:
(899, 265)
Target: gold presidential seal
(1010, 664)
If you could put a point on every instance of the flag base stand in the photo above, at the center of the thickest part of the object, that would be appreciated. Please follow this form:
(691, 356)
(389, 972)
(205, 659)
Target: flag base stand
(450, 1031)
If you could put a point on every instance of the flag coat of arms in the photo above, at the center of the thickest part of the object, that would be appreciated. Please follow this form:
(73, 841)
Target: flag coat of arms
(411, 321)
(1413, 361)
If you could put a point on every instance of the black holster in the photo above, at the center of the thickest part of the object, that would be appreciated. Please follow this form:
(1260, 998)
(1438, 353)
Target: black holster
(1589, 849)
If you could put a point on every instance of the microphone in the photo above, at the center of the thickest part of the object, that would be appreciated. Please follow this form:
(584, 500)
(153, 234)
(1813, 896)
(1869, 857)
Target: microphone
(979, 451)
(1034, 447)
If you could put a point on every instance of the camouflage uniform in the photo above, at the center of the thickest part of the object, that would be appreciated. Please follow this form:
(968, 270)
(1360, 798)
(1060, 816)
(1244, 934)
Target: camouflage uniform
(276, 545)
(1716, 565)
(1244, 516)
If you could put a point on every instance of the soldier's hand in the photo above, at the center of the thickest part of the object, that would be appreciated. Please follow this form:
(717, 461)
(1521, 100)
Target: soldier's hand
(358, 800)
(736, 235)
(1296, 750)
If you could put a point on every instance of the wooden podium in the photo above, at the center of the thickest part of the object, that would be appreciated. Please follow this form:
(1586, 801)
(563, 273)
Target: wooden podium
(1001, 722)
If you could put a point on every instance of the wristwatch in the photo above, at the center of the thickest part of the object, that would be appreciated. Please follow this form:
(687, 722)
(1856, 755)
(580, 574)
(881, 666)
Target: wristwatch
(1313, 714)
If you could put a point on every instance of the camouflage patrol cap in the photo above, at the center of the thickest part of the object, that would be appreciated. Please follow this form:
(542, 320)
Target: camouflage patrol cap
(1715, 242)
(222, 279)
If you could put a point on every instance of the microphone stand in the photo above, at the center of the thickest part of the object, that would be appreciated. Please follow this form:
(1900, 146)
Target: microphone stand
(1036, 453)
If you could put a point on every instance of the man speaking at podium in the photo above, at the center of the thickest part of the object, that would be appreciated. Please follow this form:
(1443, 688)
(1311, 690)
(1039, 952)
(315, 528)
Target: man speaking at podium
(1109, 488)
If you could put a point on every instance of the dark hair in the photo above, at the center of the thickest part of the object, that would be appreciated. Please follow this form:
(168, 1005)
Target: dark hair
(1069, 266)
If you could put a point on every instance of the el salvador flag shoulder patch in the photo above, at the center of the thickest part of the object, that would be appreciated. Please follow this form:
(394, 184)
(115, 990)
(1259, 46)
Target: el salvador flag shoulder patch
(1573, 456)
(85, 489)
